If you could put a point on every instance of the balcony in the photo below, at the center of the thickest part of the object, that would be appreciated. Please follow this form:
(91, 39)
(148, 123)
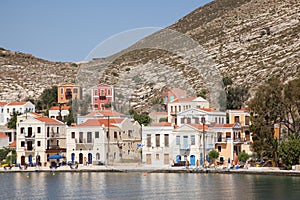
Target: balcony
(221, 140)
(185, 147)
(241, 140)
(29, 136)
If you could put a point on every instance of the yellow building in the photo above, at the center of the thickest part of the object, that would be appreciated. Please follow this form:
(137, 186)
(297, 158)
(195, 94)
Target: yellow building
(68, 92)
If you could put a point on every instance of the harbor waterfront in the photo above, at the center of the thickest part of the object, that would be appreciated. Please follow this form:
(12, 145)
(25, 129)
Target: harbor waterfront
(61, 184)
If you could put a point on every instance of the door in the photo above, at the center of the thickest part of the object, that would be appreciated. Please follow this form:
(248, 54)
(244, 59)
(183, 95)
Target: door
(90, 158)
(22, 160)
(72, 157)
(166, 159)
(30, 159)
(80, 158)
(192, 160)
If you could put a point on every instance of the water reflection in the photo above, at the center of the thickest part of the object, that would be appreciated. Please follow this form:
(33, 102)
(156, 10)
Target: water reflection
(146, 186)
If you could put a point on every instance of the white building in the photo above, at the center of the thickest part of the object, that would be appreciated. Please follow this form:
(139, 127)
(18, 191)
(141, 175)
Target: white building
(38, 138)
(194, 116)
(59, 111)
(105, 139)
(190, 143)
(7, 110)
(86, 143)
(182, 104)
(157, 144)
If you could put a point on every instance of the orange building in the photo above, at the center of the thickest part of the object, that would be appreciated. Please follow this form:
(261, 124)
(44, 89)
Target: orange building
(68, 92)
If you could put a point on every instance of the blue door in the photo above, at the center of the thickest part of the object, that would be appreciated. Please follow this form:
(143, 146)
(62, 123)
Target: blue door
(90, 158)
(192, 160)
(30, 159)
(73, 157)
(178, 158)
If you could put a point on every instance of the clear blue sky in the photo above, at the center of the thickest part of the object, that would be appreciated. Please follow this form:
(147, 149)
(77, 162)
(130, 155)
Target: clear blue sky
(67, 30)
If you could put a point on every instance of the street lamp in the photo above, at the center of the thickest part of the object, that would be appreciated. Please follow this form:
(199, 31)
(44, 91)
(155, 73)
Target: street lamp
(203, 124)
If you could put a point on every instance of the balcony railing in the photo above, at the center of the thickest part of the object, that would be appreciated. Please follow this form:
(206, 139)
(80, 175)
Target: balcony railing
(184, 147)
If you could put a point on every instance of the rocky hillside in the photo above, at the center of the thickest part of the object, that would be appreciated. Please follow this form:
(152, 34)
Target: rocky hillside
(246, 40)
(23, 75)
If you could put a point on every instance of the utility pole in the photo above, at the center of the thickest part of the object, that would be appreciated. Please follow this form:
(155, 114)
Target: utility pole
(203, 124)
(108, 141)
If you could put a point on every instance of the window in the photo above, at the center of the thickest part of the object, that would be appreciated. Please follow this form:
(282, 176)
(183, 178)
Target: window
(57, 142)
(75, 90)
(109, 92)
(219, 148)
(115, 135)
(102, 92)
(237, 119)
(130, 133)
(185, 142)
(57, 130)
(178, 140)
(96, 134)
(38, 130)
(89, 137)
(22, 130)
(95, 92)
(61, 90)
(171, 108)
(219, 136)
(148, 140)
(192, 139)
(188, 120)
(216, 119)
(157, 156)
(179, 108)
(182, 120)
(72, 135)
(80, 137)
(38, 143)
(196, 120)
(22, 143)
(157, 140)
(222, 120)
(247, 120)
(166, 140)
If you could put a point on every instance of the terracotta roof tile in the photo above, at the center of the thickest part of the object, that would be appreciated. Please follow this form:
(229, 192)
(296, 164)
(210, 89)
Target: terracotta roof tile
(17, 103)
(48, 120)
(3, 135)
(100, 122)
(223, 126)
(13, 144)
(199, 126)
(105, 113)
(62, 108)
(3, 103)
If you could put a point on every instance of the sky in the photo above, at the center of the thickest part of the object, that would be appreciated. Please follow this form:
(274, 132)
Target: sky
(68, 30)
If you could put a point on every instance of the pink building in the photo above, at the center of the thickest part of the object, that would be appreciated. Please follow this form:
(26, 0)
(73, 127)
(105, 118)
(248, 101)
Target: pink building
(102, 97)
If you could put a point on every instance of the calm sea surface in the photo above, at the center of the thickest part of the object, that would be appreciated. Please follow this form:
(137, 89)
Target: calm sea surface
(46, 185)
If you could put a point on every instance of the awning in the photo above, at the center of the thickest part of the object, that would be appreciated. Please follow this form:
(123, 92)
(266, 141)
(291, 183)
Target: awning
(56, 156)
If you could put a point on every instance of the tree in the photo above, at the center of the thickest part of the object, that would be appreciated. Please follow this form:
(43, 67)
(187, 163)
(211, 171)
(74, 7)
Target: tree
(265, 110)
(213, 155)
(48, 98)
(243, 156)
(142, 119)
(236, 96)
(13, 121)
(69, 119)
(289, 151)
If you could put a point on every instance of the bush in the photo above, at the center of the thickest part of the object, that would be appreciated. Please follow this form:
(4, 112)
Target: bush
(243, 156)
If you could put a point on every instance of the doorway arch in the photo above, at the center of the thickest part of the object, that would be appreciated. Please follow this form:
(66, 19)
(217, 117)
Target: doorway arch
(80, 158)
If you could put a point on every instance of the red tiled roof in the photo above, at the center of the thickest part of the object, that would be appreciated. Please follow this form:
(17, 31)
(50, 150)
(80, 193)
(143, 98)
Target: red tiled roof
(199, 126)
(223, 126)
(35, 114)
(3, 135)
(62, 108)
(3, 103)
(48, 120)
(105, 113)
(184, 99)
(17, 103)
(162, 124)
(13, 144)
(208, 110)
(100, 122)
